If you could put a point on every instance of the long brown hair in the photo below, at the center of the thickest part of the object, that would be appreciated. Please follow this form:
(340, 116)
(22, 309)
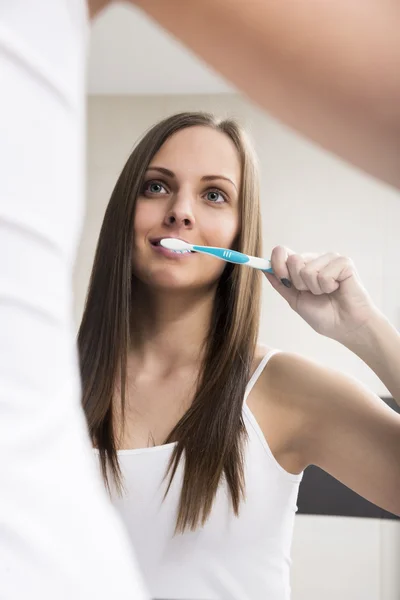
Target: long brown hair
(211, 435)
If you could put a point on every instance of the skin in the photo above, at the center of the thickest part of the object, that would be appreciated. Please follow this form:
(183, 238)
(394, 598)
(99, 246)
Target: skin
(181, 205)
(330, 70)
(308, 413)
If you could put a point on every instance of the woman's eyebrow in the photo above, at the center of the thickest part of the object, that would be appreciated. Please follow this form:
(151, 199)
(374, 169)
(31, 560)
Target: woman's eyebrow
(171, 174)
(161, 170)
(213, 177)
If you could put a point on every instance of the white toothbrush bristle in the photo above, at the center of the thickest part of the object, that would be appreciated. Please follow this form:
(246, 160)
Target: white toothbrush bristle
(175, 245)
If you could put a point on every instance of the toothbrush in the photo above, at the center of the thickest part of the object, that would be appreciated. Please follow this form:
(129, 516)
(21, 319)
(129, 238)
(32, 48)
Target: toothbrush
(223, 253)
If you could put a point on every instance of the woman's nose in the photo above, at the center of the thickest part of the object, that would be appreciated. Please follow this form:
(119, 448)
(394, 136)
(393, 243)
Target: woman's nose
(181, 213)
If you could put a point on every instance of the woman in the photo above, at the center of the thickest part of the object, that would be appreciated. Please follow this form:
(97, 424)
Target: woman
(203, 434)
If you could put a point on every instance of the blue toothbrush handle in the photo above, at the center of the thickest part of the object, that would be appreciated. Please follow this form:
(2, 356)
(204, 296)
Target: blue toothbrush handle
(236, 257)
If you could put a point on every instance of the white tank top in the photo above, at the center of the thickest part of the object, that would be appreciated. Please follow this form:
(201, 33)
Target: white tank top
(240, 558)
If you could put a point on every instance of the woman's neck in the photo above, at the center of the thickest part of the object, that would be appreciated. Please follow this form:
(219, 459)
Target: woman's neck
(169, 332)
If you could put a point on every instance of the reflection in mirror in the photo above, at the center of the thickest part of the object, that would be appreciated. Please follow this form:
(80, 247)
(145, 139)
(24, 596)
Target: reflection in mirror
(239, 418)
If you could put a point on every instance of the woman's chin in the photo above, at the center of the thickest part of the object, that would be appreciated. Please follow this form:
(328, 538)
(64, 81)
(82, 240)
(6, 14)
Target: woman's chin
(177, 280)
(174, 284)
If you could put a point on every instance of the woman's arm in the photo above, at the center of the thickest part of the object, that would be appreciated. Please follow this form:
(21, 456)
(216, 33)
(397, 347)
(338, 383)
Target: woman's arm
(346, 430)
(377, 343)
(331, 70)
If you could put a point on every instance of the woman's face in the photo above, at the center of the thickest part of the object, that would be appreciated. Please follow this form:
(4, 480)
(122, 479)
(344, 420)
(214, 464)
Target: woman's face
(190, 191)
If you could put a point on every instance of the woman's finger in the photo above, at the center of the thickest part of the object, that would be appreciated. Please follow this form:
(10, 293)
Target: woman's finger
(335, 272)
(295, 263)
(279, 257)
(310, 273)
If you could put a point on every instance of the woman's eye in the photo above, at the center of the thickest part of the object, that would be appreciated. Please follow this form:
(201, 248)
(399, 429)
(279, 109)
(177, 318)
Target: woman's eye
(216, 197)
(154, 187)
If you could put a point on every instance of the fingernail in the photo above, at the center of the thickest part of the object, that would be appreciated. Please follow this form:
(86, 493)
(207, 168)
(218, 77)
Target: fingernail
(286, 282)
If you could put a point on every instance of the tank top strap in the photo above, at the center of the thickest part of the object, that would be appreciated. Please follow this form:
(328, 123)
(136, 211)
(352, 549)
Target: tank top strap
(258, 371)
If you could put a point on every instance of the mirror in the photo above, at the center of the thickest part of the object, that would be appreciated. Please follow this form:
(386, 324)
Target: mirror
(343, 546)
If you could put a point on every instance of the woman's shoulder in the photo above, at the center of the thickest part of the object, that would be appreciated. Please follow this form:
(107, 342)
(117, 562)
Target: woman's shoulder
(290, 404)
(280, 406)
(294, 381)
(262, 350)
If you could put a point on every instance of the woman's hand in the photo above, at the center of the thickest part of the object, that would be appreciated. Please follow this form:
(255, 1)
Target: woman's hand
(325, 291)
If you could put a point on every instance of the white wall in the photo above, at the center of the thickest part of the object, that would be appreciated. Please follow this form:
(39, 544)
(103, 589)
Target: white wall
(342, 558)
(310, 202)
